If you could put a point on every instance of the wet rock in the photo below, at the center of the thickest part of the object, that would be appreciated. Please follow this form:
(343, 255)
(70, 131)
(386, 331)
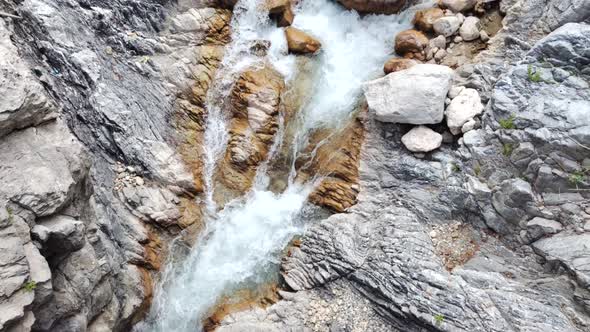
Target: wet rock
(410, 42)
(393, 100)
(462, 109)
(397, 64)
(24, 102)
(374, 6)
(255, 106)
(470, 28)
(281, 11)
(300, 42)
(539, 227)
(424, 19)
(447, 26)
(422, 139)
(337, 158)
(459, 5)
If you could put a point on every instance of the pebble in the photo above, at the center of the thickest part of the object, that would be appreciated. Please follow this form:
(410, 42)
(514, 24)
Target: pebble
(484, 36)
(458, 39)
(139, 181)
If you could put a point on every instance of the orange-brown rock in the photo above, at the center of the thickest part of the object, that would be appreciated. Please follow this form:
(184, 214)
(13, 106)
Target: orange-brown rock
(281, 12)
(397, 64)
(337, 160)
(148, 294)
(255, 101)
(284, 18)
(424, 19)
(300, 42)
(410, 42)
(375, 6)
(190, 117)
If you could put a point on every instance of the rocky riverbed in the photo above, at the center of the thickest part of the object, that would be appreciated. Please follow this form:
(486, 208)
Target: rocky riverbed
(456, 197)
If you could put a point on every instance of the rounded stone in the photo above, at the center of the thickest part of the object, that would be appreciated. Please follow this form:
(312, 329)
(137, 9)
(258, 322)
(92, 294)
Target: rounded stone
(422, 139)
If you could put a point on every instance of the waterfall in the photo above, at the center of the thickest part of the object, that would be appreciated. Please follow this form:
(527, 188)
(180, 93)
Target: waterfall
(244, 240)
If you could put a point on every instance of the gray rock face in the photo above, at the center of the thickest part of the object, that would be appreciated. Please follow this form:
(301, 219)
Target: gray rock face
(382, 248)
(59, 235)
(23, 101)
(539, 227)
(571, 251)
(113, 71)
(518, 165)
(54, 161)
(415, 95)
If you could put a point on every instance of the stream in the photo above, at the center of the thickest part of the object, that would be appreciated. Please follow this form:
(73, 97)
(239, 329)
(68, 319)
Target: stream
(242, 242)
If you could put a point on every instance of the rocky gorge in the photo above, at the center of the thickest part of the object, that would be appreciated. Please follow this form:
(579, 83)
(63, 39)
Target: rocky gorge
(380, 165)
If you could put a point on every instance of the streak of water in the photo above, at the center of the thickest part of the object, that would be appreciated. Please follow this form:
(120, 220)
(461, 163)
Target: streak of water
(246, 237)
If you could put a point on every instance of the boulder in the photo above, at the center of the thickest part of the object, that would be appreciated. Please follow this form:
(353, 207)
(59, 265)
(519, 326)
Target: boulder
(459, 5)
(470, 29)
(374, 6)
(54, 161)
(410, 42)
(415, 95)
(59, 234)
(280, 10)
(447, 26)
(23, 101)
(539, 227)
(255, 100)
(462, 109)
(424, 19)
(397, 64)
(512, 199)
(422, 139)
(300, 42)
(158, 205)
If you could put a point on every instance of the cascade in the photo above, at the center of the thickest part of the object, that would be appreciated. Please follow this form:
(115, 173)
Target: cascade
(244, 239)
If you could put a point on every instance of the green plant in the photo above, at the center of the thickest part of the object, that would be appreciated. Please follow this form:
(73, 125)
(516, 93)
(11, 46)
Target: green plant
(507, 149)
(456, 168)
(533, 74)
(30, 286)
(477, 170)
(10, 214)
(507, 123)
(577, 177)
(438, 318)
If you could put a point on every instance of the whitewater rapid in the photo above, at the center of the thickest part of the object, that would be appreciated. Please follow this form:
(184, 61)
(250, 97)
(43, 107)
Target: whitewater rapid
(243, 241)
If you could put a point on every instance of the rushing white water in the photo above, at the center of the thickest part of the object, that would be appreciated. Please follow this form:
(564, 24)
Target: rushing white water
(247, 236)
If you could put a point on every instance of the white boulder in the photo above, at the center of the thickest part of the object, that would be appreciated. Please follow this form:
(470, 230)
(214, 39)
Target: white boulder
(470, 29)
(462, 109)
(415, 95)
(447, 26)
(459, 5)
(422, 139)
